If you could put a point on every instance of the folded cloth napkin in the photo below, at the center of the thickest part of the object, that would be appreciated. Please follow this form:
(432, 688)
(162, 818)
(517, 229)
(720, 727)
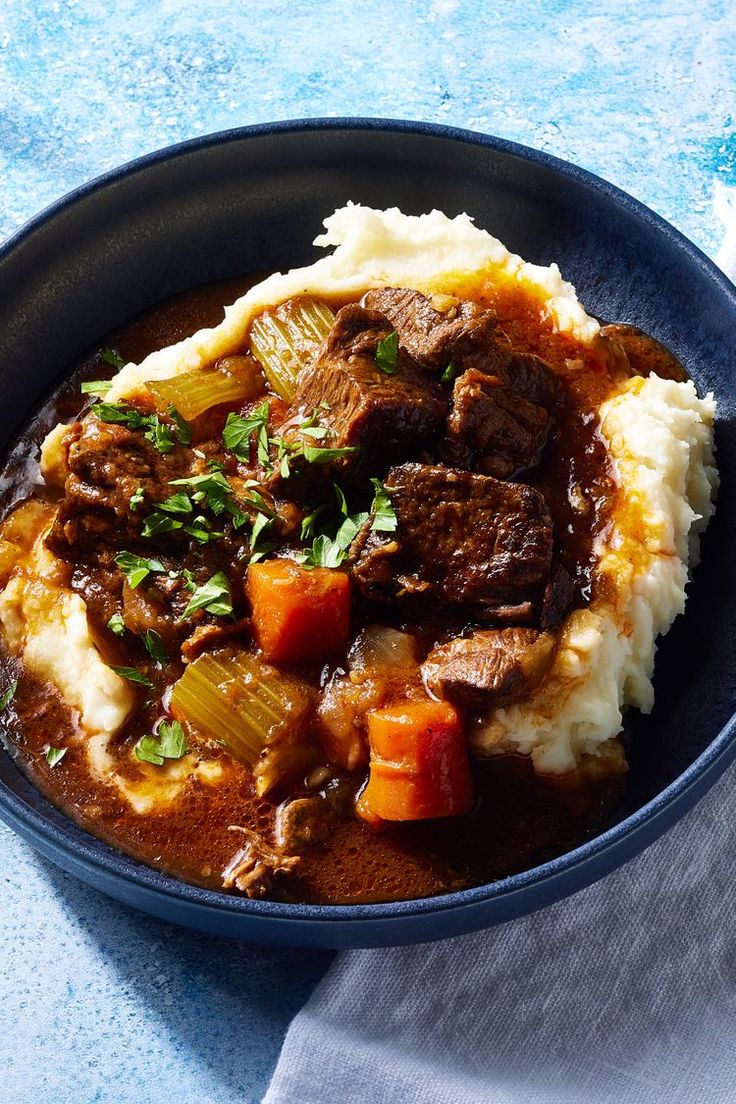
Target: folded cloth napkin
(622, 994)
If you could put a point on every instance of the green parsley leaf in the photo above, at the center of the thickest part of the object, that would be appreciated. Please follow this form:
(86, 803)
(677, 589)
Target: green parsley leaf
(324, 552)
(161, 435)
(238, 431)
(189, 581)
(260, 546)
(183, 430)
(170, 744)
(384, 515)
(309, 521)
(112, 358)
(132, 675)
(157, 523)
(116, 624)
(148, 750)
(349, 530)
(95, 387)
(136, 499)
(136, 568)
(449, 373)
(178, 503)
(154, 645)
(317, 433)
(7, 695)
(54, 755)
(199, 528)
(387, 354)
(214, 597)
(173, 740)
(341, 500)
(119, 414)
(315, 455)
(212, 490)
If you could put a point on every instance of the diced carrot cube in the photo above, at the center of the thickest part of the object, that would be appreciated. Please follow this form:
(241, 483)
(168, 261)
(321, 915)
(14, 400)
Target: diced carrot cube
(300, 615)
(419, 763)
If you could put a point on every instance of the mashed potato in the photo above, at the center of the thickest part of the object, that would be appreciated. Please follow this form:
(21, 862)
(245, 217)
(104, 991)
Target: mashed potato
(659, 436)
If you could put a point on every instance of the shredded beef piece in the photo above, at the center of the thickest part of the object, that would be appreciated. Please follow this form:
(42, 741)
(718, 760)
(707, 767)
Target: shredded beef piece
(253, 868)
(491, 429)
(491, 668)
(461, 538)
(386, 417)
(302, 822)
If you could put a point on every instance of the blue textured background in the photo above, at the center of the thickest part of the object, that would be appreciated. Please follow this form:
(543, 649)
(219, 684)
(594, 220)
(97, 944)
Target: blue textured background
(99, 1003)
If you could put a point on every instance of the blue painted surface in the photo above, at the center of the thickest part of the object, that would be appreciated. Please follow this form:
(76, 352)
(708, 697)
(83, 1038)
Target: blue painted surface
(98, 1002)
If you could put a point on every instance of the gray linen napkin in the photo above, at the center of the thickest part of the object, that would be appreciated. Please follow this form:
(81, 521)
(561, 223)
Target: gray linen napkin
(622, 994)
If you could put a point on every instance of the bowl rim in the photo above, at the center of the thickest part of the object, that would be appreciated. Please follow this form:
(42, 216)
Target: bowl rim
(640, 828)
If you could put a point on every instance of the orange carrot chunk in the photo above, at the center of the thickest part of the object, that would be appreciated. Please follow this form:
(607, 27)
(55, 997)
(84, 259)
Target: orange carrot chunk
(300, 615)
(419, 763)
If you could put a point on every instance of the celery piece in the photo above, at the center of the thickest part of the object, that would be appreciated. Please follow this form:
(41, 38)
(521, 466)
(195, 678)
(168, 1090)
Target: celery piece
(194, 392)
(286, 338)
(240, 701)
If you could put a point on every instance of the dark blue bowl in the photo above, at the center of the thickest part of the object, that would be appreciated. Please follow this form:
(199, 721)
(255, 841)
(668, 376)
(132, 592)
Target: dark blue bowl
(253, 199)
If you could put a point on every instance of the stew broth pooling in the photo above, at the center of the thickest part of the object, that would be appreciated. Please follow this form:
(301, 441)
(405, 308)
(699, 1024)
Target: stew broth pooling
(376, 539)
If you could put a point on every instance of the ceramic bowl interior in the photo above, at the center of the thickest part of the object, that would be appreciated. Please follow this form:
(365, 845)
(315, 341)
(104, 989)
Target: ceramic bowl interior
(253, 200)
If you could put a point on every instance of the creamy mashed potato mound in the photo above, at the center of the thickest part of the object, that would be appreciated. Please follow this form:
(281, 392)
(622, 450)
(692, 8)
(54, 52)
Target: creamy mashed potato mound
(659, 437)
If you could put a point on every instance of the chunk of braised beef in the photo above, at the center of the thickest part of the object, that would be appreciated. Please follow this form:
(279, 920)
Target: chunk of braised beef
(385, 417)
(491, 429)
(440, 330)
(490, 668)
(107, 464)
(303, 822)
(461, 538)
(533, 379)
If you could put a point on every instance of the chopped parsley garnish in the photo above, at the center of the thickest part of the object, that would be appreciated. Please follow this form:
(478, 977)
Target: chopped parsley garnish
(137, 568)
(309, 522)
(112, 358)
(118, 414)
(116, 624)
(157, 523)
(171, 743)
(154, 645)
(161, 435)
(260, 545)
(316, 455)
(189, 581)
(7, 695)
(200, 530)
(95, 387)
(449, 373)
(214, 597)
(387, 354)
(54, 755)
(323, 552)
(136, 499)
(382, 510)
(132, 674)
(178, 503)
(211, 490)
(238, 431)
(349, 530)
